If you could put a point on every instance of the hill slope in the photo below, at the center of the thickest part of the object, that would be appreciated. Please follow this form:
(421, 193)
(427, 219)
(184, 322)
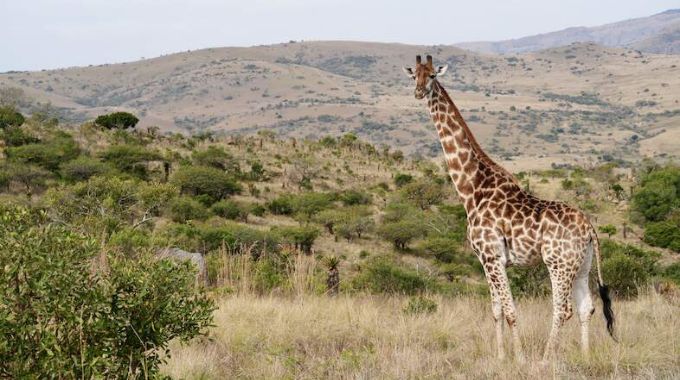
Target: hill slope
(659, 33)
(575, 104)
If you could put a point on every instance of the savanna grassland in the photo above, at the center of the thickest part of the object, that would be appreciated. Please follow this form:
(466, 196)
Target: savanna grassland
(326, 257)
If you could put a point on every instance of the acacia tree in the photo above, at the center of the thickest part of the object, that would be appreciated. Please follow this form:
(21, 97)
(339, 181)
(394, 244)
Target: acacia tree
(117, 120)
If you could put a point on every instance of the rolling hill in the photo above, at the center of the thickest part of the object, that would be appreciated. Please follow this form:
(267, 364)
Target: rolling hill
(659, 33)
(576, 104)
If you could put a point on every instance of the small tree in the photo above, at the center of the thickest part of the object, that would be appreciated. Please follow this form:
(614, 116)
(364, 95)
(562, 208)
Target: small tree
(333, 275)
(10, 117)
(117, 120)
(608, 229)
(203, 180)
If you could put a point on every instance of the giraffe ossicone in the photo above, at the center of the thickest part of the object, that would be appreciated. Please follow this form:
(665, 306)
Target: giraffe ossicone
(509, 226)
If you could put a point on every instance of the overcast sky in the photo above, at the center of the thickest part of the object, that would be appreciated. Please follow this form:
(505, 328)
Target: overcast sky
(43, 34)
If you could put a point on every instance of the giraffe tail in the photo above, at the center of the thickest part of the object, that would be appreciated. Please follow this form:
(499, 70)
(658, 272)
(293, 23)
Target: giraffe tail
(603, 289)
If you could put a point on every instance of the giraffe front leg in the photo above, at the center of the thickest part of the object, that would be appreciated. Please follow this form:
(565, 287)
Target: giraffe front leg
(498, 278)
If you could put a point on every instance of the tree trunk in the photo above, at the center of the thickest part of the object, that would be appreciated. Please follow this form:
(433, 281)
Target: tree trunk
(333, 281)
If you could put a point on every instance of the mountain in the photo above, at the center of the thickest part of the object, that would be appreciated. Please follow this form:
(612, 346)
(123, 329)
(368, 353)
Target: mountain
(659, 33)
(580, 104)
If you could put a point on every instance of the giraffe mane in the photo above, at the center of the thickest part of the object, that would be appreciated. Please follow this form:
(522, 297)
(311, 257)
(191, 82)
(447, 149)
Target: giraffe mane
(483, 157)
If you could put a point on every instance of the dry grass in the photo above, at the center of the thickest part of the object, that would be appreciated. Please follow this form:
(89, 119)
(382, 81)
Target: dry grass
(315, 337)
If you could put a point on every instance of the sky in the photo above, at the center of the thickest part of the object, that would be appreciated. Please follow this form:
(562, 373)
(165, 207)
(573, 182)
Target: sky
(47, 34)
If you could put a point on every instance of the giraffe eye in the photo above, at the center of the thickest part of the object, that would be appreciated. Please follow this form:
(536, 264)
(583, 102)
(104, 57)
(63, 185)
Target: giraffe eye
(432, 76)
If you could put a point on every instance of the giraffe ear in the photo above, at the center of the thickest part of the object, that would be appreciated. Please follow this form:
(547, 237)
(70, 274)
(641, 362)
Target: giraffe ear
(409, 72)
(441, 70)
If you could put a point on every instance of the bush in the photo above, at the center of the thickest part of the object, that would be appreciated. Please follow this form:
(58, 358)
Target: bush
(402, 179)
(61, 320)
(117, 120)
(10, 117)
(355, 197)
(283, 205)
(132, 159)
(217, 158)
(423, 193)
(665, 234)
(48, 155)
(83, 168)
(672, 272)
(531, 281)
(401, 233)
(182, 209)
(626, 267)
(608, 229)
(31, 177)
(382, 275)
(230, 210)
(301, 237)
(203, 180)
(15, 136)
(420, 305)
(658, 194)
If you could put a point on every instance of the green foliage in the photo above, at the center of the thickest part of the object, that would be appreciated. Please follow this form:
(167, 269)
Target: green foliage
(303, 206)
(203, 180)
(283, 205)
(216, 157)
(10, 117)
(60, 319)
(131, 159)
(182, 209)
(608, 229)
(382, 275)
(48, 155)
(83, 168)
(664, 234)
(401, 179)
(31, 177)
(420, 305)
(401, 233)
(117, 120)
(424, 193)
(672, 272)
(529, 281)
(626, 267)
(232, 210)
(355, 197)
(15, 136)
(658, 194)
(302, 238)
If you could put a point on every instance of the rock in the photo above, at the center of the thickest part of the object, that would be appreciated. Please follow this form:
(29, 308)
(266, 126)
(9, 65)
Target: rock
(181, 255)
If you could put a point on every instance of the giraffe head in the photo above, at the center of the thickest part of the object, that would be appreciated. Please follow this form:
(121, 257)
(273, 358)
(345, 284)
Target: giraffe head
(424, 74)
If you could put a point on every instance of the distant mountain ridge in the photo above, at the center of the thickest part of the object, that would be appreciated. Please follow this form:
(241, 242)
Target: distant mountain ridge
(659, 33)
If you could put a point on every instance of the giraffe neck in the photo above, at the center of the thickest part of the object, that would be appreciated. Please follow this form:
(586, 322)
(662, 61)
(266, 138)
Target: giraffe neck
(471, 170)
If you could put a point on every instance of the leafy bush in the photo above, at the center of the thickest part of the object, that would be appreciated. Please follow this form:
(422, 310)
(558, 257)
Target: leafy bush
(182, 209)
(283, 205)
(132, 159)
(230, 210)
(382, 275)
(203, 180)
(31, 177)
(83, 168)
(420, 305)
(59, 319)
(10, 117)
(301, 237)
(626, 267)
(401, 179)
(424, 193)
(401, 233)
(48, 155)
(117, 120)
(658, 194)
(664, 234)
(672, 272)
(15, 136)
(217, 158)
(608, 229)
(355, 197)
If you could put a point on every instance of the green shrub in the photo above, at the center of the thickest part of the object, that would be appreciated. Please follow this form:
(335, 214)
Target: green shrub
(665, 234)
(130, 241)
(355, 197)
(117, 120)
(672, 272)
(658, 194)
(401, 233)
(531, 281)
(424, 193)
(132, 159)
(382, 275)
(608, 229)
(237, 238)
(48, 155)
(283, 205)
(626, 267)
(216, 157)
(182, 209)
(31, 177)
(232, 210)
(420, 305)
(10, 117)
(59, 319)
(401, 179)
(301, 237)
(83, 168)
(15, 136)
(203, 180)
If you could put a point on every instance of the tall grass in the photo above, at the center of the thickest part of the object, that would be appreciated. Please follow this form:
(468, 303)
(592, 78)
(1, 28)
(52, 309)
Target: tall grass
(312, 337)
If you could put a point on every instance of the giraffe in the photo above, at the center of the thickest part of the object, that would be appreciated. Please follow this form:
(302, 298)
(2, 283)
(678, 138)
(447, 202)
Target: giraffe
(509, 226)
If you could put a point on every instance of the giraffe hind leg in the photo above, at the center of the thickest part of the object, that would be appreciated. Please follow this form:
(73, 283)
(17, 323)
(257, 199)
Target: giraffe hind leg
(562, 280)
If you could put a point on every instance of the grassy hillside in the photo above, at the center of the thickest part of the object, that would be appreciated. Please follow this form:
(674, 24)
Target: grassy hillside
(579, 104)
